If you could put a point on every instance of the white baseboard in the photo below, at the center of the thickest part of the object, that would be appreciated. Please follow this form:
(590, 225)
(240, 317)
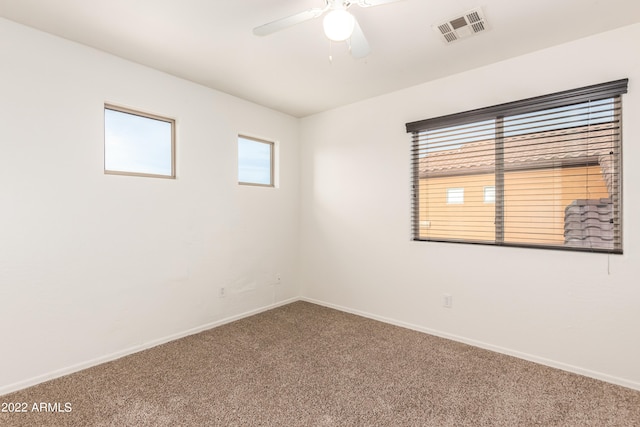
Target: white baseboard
(117, 355)
(532, 358)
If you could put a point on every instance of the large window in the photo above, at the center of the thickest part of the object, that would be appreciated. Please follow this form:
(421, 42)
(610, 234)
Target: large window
(255, 161)
(137, 143)
(542, 172)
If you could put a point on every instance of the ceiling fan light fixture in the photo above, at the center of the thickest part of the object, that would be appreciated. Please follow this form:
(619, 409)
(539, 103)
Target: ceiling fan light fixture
(338, 25)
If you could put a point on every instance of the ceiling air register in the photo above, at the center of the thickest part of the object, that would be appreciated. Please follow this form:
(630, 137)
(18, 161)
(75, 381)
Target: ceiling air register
(460, 27)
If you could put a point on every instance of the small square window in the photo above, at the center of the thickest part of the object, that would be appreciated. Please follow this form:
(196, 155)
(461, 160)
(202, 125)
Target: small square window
(137, 143)
(255, 161)
(490, 194)
(455, 196)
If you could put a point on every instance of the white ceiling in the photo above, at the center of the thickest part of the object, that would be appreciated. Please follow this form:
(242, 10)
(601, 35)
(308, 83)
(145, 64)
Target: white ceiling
(211, 42)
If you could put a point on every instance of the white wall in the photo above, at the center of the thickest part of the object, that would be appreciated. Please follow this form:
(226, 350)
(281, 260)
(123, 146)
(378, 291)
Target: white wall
(576, 311)
(93, 266)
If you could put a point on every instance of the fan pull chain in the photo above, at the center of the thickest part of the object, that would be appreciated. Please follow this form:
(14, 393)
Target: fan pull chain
(330, 52)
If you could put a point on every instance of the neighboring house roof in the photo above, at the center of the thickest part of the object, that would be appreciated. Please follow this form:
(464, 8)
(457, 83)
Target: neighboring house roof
(589, 224)
(564, 147)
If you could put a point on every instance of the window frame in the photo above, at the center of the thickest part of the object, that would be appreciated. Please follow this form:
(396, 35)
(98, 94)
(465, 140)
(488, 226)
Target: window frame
(593, 93)
(272, 162)
(134, 112)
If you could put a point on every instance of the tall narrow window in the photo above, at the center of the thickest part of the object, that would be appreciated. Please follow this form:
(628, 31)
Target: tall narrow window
(541, 172)
(255, 161)
(137, 143)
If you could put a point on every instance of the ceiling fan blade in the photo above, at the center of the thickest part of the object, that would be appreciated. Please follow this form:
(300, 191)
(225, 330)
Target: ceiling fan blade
(289, 21)
(358, 44)
(369, 3)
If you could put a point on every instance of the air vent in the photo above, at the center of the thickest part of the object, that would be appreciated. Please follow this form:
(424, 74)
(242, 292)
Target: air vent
(459, 27)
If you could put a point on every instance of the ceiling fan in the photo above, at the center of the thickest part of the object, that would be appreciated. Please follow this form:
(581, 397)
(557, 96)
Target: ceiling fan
(339, 25)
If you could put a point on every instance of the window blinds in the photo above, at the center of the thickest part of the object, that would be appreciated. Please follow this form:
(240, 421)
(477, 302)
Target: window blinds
(540, 172)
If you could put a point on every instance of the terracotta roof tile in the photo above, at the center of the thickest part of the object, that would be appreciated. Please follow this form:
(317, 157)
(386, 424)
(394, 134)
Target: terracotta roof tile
(537, 150)
(589, 224)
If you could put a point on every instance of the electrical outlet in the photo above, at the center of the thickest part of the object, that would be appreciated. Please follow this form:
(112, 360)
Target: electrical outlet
(222, 292)
(447, 300)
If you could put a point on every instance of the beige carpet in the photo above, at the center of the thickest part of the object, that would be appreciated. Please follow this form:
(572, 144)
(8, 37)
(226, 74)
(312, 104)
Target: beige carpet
(306, 365)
